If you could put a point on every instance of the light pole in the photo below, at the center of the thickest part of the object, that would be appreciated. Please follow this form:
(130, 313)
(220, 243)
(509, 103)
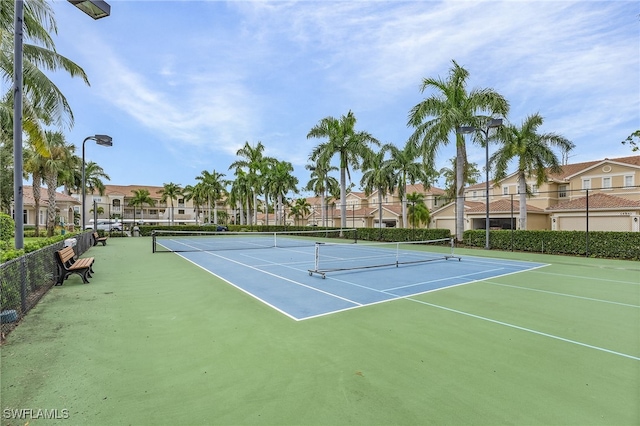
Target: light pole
(96, 9)
(493, 123)
(104, 140)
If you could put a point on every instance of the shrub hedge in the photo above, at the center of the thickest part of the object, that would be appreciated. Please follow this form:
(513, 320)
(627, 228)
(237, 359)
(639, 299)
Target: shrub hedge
(604, 244)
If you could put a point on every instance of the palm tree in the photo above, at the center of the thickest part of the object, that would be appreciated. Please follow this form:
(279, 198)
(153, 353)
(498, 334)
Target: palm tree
(533, 153)
(140, 197)
(43, 102)
(322, 183)
(446, 111)
(60, 155)
(378, 176)
(170, 191)
(93, 175)
(299, 209)
(33, 166)
(418, 211)
(351, 147)
(406, 171)
(281, 182)
(197, 193)
(214, 188)
(471, 176)
(240, 193)
(254, 162)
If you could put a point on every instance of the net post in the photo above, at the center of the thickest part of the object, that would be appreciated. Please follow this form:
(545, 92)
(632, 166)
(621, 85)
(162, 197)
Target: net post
(153, 241)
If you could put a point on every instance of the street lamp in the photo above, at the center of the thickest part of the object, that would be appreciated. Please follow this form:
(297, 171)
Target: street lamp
(493, 123)
(104, 140)
(96, 9)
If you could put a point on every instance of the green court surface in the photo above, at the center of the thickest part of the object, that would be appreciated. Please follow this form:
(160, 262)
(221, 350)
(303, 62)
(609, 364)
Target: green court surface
(155, 340)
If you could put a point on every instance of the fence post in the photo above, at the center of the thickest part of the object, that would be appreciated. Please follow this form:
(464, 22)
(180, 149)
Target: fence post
(23, 284)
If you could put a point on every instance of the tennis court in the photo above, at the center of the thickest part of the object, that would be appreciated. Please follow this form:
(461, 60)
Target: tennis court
(354, 274)
(157, 339)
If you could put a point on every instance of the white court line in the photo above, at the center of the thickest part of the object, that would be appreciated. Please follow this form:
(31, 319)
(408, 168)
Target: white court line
(442, 279)
(562, 294)
(283, 278)
(517, 327)
(591, 278)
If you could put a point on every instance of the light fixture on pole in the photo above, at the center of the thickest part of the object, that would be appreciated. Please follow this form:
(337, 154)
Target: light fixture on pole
(104, 140)
(493, 123)
(95, 8)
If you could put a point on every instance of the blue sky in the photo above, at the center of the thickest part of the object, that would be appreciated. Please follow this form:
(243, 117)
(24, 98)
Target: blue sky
(181, 85)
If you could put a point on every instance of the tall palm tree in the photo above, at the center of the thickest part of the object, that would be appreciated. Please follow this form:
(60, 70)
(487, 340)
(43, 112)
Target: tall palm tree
(281, 182)
(322, 183)
(254, 162)
(33, 166)
(43, 102)
(171, 191)
(378, 176)
(406, 171)
(418, 211)
(214, 186)
(440, 115)
(351, 147)
(197, 193)
(93, 176)
(241, 194)
(59, 160)
(533, 153)
(140, 198)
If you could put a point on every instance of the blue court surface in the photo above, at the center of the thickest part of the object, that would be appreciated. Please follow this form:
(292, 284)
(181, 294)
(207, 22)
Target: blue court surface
(281, 278)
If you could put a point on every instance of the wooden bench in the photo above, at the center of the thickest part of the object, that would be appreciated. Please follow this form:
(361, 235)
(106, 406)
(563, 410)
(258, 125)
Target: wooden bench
(98, 239)
(68, 264)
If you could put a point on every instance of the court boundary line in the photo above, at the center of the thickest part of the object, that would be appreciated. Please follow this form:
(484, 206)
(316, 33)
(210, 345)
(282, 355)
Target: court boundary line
(584, 277)
(529, 330)
(562, 294)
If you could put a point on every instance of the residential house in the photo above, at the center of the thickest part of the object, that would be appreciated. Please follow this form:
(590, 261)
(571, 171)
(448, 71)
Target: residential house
(65, 206)
(607, 189)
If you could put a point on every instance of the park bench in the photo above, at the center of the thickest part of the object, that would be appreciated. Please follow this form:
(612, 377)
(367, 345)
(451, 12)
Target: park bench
(68, 264)
(98, 239)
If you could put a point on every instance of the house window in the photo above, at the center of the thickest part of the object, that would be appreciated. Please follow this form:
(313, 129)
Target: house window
(42, 217)
(606, 182)
(534, 189)
(505, 190)
(628, 180)
(586, 183)
(475, 194)
(153, 211)
(116, 203)
(181, 211)
(562, 191)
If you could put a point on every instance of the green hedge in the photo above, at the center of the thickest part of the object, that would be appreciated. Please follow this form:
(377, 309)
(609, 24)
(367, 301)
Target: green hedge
(605, 244)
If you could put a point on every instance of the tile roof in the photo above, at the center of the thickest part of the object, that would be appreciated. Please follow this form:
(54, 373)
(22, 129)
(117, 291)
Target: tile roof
(596, 201)
(28, 199)
(572, 169)
(127, 190)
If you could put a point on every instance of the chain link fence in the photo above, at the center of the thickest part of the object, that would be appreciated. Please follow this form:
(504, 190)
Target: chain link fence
(24, 280)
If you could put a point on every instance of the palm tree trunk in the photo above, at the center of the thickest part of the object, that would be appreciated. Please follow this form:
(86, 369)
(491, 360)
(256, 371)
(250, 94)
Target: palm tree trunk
(52, 181)
(343, 197)
(522, 189)
(36, 199)
(323, 214)
(459, 187)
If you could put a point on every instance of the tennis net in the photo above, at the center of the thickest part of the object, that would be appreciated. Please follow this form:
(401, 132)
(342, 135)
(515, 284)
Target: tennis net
(185, 241)
(334, 257)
